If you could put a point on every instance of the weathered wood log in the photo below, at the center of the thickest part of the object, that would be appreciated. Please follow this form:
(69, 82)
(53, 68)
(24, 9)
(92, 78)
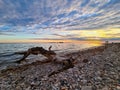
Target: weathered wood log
(35, 51)
(68, 63)
(61, 70)
(21, 52)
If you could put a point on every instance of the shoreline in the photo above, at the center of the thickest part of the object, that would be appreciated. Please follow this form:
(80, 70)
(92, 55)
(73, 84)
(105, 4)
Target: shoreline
(93, 66)
(62, 55)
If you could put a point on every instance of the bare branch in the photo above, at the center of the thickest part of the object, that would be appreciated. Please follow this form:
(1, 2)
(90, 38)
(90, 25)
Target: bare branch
(50, 48)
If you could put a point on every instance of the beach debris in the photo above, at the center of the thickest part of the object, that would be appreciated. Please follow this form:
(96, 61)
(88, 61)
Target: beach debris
(68, 63)
(37, 50)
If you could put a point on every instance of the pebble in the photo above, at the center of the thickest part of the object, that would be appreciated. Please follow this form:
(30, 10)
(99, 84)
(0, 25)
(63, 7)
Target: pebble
(85, 60)
(64, 88)
(118, 87)
(86, 88)
(105, 88)
(100, 74)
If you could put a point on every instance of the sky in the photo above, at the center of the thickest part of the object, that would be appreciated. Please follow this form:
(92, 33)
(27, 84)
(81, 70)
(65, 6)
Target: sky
(59, 20)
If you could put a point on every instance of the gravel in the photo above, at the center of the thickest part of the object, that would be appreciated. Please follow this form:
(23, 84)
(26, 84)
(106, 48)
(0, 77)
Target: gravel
(95, 69)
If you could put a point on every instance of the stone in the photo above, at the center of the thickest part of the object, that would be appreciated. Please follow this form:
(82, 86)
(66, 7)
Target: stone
(118, 87)
(98, 78)
(28, 88)
(101, 74)
(105, 88)
(86, 88)
(84, 81)
(85, 60)
(63, 82)
(64, 88)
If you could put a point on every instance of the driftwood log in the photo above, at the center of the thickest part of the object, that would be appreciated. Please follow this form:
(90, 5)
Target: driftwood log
(21, 52)
(67, 63)
(35, 51)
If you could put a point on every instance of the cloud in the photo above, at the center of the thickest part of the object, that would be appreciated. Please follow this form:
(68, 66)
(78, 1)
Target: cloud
(45, 39)
(59, 35)
(6, 34)
(110, 39)
(58, 17)
(56, 12)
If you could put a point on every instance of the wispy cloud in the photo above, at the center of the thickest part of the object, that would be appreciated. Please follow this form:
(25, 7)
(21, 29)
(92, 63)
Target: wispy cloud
(59, 18)
(6, 34)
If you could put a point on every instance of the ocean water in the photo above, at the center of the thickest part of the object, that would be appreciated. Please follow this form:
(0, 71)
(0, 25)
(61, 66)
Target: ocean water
(7, 56)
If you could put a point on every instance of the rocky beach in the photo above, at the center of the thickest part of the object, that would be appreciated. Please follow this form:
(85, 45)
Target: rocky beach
(96, 68)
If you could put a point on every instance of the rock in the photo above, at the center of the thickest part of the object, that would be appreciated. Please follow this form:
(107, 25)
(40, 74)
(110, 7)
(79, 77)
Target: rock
(56, 85)
(28, 88)
(18, 88)
(64, 88)
(105, 88)
(101, 74)
(85, 60)
(118, 81)
(86, 88)
(32, 83)
(84, 81)
(63, 82)
(118, 87)
(45, 77)
(98, 78)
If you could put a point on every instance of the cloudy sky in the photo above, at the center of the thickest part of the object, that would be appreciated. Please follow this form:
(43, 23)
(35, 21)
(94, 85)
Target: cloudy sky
(38, 20)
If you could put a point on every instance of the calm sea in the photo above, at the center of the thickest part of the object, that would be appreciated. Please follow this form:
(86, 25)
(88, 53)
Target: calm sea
(7, 56)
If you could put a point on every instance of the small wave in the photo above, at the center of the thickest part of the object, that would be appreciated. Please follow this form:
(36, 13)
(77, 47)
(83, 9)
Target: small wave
(6, 55)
